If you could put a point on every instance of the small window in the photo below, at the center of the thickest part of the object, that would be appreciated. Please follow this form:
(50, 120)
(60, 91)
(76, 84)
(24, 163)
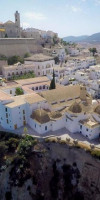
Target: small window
(10, 91)
(45, 128)
(87, 129)
(66, 120)
(40, 88)
(24, 118)
(80, 126)
(7, 121)
(35, 125)
(23, 111)
(6, 109)
(6, 115)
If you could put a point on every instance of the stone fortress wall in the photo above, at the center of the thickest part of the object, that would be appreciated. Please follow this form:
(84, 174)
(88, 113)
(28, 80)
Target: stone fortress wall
(19, 46)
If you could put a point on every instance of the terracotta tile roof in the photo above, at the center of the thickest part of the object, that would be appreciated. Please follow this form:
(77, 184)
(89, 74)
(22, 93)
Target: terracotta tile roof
(64, 93)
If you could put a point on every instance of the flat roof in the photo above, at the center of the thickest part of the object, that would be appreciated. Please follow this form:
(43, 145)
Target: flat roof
(34, 98)
(90, 123)
(39, 58)
(4, 96)
(32, 80)
(16, 103)
(62, 93)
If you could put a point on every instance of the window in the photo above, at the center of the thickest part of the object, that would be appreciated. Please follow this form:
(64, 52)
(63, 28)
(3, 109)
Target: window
(80, 126)
(45, 128)
(6, 109)
(87, 129)
(66, 120)
(40, 88)
(62, 101)
(7, 121)
(10, 91)
(35, 125)
(6, 115)
(43, 86)
(23, 112)
(24, 118)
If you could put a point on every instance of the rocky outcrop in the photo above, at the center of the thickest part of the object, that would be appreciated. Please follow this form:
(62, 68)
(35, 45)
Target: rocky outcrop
(55, 171)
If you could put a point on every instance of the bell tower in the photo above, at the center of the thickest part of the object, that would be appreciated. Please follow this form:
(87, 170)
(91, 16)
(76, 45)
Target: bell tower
(17, 19)
(83, 93)
(17, 24)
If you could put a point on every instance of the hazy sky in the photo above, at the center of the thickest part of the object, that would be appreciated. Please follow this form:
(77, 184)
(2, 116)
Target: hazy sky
(67, 17)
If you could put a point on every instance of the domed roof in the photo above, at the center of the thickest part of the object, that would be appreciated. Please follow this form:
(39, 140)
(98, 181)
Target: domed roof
(97, 109)
(9, 22)
(55, 114)
(41, 116)
(75, 108)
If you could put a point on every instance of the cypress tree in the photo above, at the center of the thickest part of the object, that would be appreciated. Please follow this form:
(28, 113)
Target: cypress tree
(52, 84)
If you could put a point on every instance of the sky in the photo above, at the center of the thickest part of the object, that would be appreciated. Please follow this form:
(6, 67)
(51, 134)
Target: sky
(66, 17)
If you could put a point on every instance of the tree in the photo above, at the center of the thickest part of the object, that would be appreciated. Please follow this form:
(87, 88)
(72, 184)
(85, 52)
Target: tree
(19, 91)
(57, 61)
(93, 50)
(55, 39)
(15, 59)
(25, 130)
(6, 36)
(52, 84)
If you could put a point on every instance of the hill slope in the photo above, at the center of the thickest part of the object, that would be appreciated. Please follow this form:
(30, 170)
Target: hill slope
(92, 38)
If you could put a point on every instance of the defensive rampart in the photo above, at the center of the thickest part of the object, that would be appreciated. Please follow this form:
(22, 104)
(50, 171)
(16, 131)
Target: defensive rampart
(19, 46)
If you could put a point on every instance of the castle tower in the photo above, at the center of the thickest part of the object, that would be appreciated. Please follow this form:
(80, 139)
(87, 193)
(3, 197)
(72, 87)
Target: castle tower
(83, 93)
(17, 23)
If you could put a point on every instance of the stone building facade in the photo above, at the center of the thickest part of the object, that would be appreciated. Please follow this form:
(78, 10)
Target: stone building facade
(11, 29)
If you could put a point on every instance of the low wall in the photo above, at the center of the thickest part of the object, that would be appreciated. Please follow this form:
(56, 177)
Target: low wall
(19, 46)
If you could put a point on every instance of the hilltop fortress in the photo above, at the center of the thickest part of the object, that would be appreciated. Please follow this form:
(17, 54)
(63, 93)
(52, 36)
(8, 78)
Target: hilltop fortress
(11, 29)
(14, 40)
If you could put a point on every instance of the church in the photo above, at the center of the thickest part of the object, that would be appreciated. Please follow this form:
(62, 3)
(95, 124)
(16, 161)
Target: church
(11, 29)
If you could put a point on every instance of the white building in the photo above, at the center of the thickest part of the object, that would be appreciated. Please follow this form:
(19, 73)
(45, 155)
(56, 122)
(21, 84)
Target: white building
(43, 64)
(69, 106)
(18, 69)
(94, 72)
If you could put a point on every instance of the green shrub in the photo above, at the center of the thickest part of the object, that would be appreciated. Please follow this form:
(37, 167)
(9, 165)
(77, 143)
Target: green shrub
(24, 76)
(3, 149)
(12, 143)
(62, 142)
(15, 59)
(26, 55)
(6, 135)
(19, 91)
(26, 144)
(95, 153)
